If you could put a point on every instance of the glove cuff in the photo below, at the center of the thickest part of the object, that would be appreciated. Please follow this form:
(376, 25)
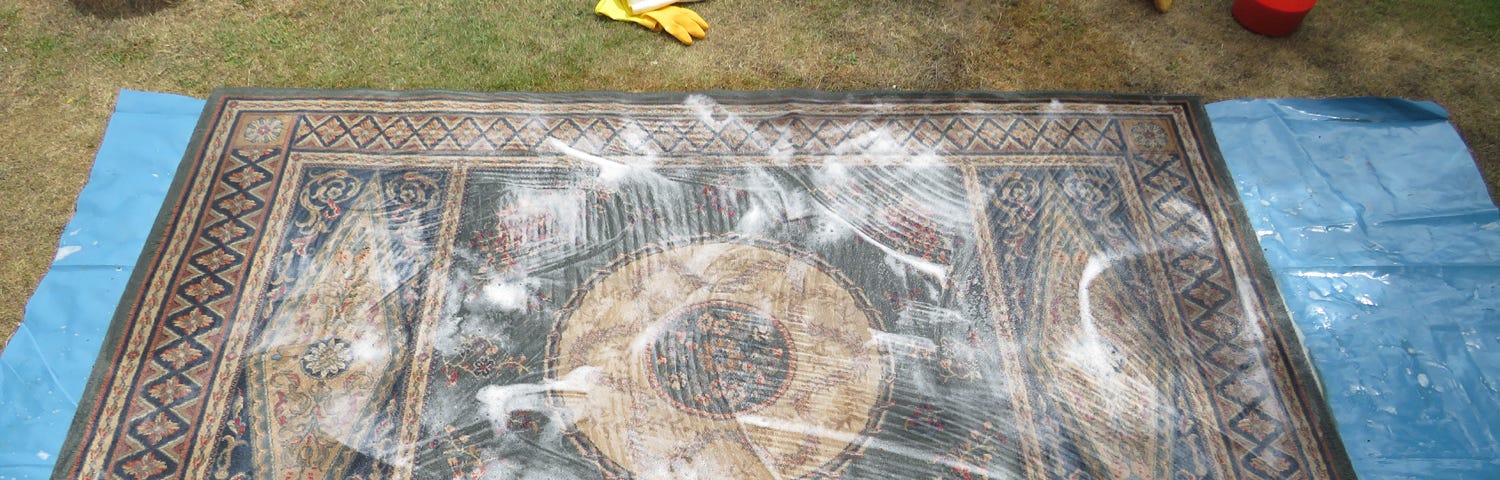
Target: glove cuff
(642, 6)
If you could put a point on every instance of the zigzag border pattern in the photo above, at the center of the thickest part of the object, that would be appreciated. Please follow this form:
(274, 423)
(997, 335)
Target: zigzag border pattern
(523, 135)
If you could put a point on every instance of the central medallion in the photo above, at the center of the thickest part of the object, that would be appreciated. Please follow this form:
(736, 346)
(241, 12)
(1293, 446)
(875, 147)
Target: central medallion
(750, 360)
(720, 359)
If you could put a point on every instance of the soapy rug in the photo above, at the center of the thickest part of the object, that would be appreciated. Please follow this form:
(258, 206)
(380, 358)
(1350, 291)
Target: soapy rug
(360, 284)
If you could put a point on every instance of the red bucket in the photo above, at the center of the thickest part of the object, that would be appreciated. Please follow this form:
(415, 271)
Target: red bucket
(1272, 18)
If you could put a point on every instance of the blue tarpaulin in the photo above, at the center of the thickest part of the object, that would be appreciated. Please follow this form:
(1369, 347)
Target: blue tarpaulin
(47, 363)
(1386, 247)
(1371, 211)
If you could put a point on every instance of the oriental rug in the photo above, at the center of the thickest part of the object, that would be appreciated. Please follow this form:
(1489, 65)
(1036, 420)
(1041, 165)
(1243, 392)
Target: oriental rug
(381, 285)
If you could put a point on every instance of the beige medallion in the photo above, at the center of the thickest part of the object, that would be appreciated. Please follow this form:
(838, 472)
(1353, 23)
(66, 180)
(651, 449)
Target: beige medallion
(719, 360)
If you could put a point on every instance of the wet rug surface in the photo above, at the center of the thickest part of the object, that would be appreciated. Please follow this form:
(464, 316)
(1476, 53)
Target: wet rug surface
(724, 285)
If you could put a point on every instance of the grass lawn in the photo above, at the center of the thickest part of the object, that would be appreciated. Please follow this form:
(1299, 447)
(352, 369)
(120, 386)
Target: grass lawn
(60, 70)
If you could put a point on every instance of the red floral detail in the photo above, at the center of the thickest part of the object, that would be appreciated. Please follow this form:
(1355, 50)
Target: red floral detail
(180, 355)
(215, 259)
(203, 289)
(365, 130)
(398, 133)
(245, 177)
(1149, 135)
(464, 459)
(520, 420)
(330, 130)
(482, 358)
(157, 428)
(901, 300)
(972, 459)
(193, 322)
(168, 391)
(237, 204)
(503, 246)
(263, 130)
(144, 467)
(924, 415)
(226, 232)
(724, 201)
(912, 225)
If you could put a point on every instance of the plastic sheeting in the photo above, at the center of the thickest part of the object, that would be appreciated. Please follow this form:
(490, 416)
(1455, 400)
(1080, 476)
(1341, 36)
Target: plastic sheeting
(1358, 233)
(773, 284)
(707, 285)
(1386, 247)
(45, 366)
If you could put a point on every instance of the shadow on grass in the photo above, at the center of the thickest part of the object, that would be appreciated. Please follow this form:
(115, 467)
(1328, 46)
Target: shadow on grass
(122, 8)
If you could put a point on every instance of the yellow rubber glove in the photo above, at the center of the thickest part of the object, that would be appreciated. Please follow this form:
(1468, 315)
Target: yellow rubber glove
(620, 10)
(681, 23)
